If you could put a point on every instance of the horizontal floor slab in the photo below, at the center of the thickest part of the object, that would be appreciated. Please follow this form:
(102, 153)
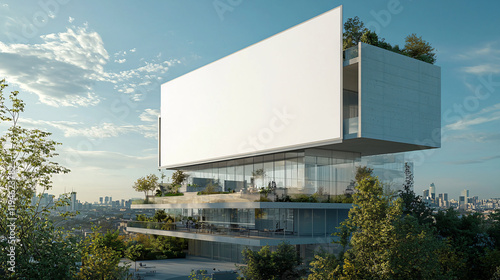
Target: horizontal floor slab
(245, 205)
(241, 240)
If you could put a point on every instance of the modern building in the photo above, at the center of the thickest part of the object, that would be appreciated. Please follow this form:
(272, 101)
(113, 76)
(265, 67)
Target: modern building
(432, 191)
(73, 202)
(426, 194)
(465, 193)
(462, 202)
(284, 120)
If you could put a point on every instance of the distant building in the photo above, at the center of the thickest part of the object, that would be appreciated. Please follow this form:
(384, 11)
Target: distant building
(462, 202)
(465, 193)
(106, 200)
(426, 194)
(73, 202)
(100, 200)
(432, 192)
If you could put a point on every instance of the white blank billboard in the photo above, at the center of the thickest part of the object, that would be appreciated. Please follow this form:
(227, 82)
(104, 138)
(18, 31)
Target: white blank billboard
(279, 94)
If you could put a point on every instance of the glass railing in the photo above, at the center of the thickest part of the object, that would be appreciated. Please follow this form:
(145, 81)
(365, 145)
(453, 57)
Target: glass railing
(192, 197)
(351, 53)
(219, 229)
(351, 126)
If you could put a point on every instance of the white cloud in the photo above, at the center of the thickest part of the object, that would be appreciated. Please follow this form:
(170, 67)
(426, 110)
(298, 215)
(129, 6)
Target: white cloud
(149, 115)
(102, 130)
(482, 69)
(105, 159)
(488, 114)
(120, 53)
(64, 68)
(70, 20)
(60, 70)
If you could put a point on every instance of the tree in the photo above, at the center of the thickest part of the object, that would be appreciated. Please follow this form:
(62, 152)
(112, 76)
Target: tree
(384, 242)
(32, 247)
(266, 265)
(111, 239)
(178, 177)
(354, 29)
(468, 236)
(146, 184)
(418, 48)
(412, 203)
(324, 267)
(98, 260)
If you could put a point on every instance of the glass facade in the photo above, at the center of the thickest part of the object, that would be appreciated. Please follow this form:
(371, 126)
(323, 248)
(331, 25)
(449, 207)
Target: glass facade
(300, 172)
(233, 252)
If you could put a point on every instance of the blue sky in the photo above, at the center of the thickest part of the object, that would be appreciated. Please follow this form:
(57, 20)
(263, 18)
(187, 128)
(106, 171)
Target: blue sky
(90, 72)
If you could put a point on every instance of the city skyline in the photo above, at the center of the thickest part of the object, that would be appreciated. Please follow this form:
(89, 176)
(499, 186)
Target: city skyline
(96, 84)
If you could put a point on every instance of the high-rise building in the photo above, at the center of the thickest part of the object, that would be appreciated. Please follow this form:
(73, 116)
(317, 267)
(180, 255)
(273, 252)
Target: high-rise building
(432, 191)
(462, 202)
(445, 197)
(100, 200)
(73, 202)
(106, 200)
(293, 124)
(465, 193)
(426, 194)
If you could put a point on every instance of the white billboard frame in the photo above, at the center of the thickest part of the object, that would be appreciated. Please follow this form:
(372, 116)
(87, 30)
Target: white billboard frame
(280, 94)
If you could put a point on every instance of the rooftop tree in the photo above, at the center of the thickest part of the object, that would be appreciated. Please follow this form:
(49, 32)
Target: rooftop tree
(146, 184)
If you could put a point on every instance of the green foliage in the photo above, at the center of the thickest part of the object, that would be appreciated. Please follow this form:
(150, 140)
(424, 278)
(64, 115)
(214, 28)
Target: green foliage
(494, 228)
(199, 275)
(173, 194)
(324, 267)
(211, 188)
(148, 247)
(354, 29)
(412, 203)
(112, 240)
(468, 236)
(363, 172)
(41, 249)
(135, 252)
(177, 179)
(384, 242)
(146, 184)
(341, 198)
(303, 198)
(418, 48)
(266, 265)
(98, 260)
(415, 47)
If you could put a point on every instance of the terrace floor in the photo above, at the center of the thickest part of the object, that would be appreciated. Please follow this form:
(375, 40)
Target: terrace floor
(177, 269)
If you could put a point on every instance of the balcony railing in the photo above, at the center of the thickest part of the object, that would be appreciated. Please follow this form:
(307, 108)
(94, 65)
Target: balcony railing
(223, 229)
(351, 53)
(351, 127)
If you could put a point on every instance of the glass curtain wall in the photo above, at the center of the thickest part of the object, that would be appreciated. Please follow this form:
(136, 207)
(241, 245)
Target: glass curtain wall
(300, 172)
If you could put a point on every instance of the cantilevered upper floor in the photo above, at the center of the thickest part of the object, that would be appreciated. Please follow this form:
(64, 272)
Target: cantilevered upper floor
(297, 90)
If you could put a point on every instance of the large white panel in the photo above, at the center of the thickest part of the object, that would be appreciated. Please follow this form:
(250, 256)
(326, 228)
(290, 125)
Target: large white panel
(279, 94)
